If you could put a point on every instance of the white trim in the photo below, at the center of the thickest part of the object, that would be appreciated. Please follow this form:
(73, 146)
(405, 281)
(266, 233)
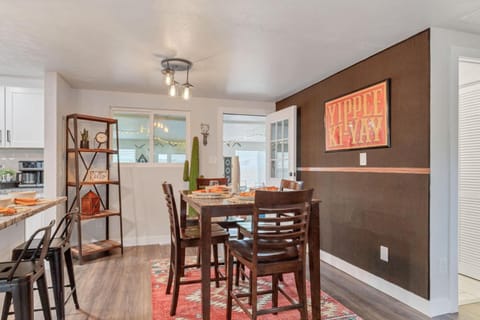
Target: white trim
(430, 308)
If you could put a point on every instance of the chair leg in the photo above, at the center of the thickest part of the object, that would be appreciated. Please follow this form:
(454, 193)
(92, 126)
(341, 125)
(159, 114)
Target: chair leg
(23, 301)
(229, 285)
(215, 265)
(56, 272)
(250, 286)
(43, 293)
(6, 305)
(182, 261)
(176, 281)
(302, 293)
(275, 278)
(170, 269)
(253, 293)
(71, 276)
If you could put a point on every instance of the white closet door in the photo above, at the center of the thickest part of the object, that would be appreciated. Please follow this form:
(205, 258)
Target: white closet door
(469, 181)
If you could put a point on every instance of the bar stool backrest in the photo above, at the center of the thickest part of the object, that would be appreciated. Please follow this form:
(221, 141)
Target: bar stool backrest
(40, 250)
(65, 226)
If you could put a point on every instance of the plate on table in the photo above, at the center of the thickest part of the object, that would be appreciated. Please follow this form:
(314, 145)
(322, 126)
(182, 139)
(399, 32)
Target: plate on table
(209, 195)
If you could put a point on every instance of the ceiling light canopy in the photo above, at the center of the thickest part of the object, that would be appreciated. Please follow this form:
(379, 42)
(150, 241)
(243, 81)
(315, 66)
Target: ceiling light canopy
(170, 68)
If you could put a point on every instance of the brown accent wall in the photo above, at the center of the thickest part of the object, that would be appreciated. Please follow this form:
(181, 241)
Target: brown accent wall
(361, 211)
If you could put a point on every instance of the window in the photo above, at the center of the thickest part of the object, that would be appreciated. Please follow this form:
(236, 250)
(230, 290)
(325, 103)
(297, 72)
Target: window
(152, 136)
(244, 136)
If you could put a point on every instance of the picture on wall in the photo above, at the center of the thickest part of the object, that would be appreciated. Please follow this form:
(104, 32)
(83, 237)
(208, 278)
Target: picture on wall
(359, 120)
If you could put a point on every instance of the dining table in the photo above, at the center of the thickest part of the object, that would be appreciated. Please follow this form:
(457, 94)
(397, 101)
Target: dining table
(208, 208)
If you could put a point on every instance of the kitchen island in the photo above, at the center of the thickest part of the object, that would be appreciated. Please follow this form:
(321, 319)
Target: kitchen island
(23, 212)
(13, 227)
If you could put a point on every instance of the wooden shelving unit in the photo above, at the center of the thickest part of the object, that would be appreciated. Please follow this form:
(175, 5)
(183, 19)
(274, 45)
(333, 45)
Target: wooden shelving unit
(79, 161)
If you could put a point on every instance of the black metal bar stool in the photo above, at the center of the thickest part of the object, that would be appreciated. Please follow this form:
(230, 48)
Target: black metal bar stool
(59, 255)
(17, 278)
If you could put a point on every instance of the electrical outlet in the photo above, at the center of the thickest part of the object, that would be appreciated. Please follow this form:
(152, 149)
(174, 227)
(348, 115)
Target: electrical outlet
(363, 158)
(384, 253)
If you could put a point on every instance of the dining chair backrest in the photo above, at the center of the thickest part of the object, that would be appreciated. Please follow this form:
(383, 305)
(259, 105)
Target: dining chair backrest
(287, 185)
(205, 182)
(172, 212)
(280, 220)
(39, 253)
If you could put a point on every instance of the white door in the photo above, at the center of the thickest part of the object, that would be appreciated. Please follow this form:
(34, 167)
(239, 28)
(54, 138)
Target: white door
(281, 145)
(24, 117)
(2, 117)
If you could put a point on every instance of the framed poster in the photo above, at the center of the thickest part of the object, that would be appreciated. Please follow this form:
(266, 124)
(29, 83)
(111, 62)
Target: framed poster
(359, 120)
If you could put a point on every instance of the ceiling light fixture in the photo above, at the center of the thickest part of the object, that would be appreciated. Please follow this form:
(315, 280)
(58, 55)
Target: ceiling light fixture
(172, 66)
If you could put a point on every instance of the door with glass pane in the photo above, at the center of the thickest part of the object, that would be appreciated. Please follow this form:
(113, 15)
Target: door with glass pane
(281, 145)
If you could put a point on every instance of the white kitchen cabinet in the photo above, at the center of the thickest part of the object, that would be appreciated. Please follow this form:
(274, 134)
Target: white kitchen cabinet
(22, 117)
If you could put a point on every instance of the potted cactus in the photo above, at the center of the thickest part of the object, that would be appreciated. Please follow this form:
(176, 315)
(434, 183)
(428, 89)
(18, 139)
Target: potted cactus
(191, 174)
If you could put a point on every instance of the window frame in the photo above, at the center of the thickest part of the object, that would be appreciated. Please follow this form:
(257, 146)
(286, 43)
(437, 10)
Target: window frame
(151, 113)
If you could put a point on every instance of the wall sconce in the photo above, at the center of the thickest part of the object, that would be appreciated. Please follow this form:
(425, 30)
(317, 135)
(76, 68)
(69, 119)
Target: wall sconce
(204, 131)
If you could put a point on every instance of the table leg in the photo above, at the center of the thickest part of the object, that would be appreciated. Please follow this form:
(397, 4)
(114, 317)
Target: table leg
(206, 232)
(314, 260)
(183, 212)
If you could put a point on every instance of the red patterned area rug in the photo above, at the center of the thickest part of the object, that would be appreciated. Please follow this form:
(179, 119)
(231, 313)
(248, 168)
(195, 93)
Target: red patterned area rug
(189, 306)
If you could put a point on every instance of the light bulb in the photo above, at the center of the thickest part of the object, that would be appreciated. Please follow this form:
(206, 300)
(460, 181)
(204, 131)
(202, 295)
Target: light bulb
(186, 93)
(168, 77)
(172, 92)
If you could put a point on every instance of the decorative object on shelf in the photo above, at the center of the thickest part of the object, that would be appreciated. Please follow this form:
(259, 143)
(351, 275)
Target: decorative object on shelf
(204, 128)
(170, 67)
(359, 120)
(98, 175)
(101, 138)
(90, 203)
(84, 143)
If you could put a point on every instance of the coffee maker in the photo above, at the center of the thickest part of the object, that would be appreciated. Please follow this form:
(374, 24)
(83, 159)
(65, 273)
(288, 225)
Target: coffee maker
(30, 173)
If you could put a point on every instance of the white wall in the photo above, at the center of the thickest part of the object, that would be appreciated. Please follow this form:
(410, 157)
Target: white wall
(145, 218)
(446, 48)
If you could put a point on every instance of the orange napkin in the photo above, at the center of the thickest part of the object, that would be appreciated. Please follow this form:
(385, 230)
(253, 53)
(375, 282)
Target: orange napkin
(7, 211)
(26, 201)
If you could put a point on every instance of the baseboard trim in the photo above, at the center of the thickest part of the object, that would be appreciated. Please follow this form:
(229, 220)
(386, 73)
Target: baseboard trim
(430, 308)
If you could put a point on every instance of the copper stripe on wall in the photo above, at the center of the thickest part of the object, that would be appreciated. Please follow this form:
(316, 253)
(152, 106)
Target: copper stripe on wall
(366, 170)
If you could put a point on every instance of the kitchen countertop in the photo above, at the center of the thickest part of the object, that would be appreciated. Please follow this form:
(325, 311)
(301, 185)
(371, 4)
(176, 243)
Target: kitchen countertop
(26, 212)
(6, 191)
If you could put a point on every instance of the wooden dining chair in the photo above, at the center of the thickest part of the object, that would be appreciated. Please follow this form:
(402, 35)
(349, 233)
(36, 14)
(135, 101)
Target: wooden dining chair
(277, 246)
(18, 277)
(205, 182)
(245, 227)
(182, 238)
(289, 185)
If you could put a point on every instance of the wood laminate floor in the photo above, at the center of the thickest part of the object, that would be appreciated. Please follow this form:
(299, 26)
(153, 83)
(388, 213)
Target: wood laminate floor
(116, 287)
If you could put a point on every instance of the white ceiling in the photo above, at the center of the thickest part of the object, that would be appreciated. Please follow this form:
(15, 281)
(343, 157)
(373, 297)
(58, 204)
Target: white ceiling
(249, 49)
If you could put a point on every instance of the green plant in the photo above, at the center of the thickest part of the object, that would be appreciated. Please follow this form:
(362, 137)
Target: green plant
(192, 174)
(84, 134)
(7, 171)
